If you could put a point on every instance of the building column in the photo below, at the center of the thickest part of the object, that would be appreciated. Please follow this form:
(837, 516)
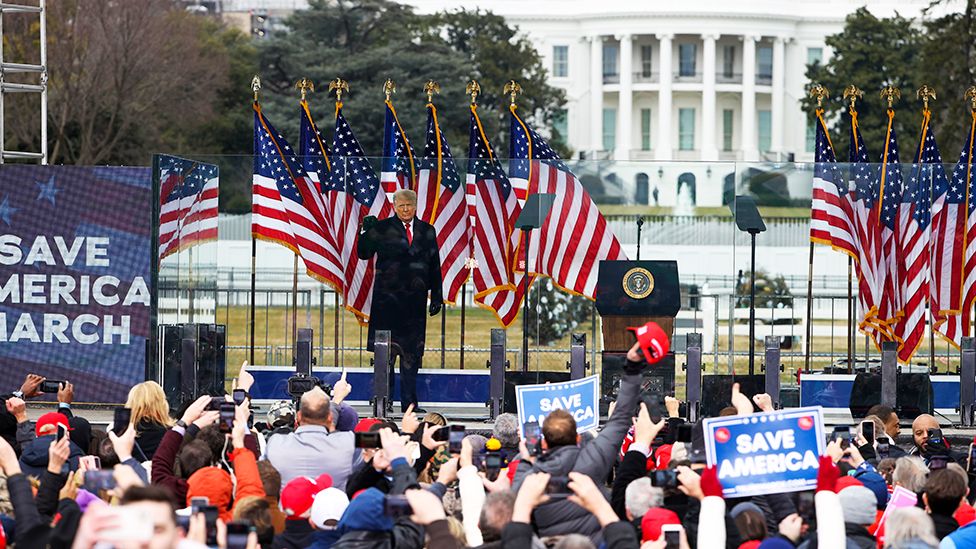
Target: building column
(663, 148)
(749, 142)
(625, 102)
(779, 89)
(596, 93)
(709, 148)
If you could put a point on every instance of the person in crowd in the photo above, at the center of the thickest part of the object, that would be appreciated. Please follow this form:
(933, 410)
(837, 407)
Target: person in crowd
(751, 524)
(296, 501)
(150, 415)
(34, 454)
(910, 473)
(910, 527)
(192, 457)
(271, 481)
(257, 512)
(328, 506)
(927, 447)
(889, 418)
(562, 455)
(943, 494)
(315, 447)
(506, 431)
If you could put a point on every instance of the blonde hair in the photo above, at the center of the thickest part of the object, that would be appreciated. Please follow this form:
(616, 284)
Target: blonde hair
(148, 402)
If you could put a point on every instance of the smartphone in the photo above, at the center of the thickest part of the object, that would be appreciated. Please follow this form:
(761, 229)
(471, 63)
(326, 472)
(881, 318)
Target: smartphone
(883, 449)
(368, 440)
(133, 525)
(684, 432)
(442, 434)
(493, 465)
(120, 420)
(210, 514)
(99, 480)
(198, 503)
(664, 478)
(215, 403)
(91, 463)
(51, 385)
(240, 395)
(237, 532)
(227, 413)
(935, 438)
(456, 435)
(971, 463)
(806, 509)
(533, 437)
(396, 507)
(867, 431)
(62, 432)
(672, 536)
(844, 434)
(558, 487)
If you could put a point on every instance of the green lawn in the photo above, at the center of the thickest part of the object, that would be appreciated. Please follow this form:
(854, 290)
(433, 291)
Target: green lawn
(722, 211)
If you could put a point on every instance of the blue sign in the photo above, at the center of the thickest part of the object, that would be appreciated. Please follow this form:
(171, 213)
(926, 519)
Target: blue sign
(579, 398)
(766, 453)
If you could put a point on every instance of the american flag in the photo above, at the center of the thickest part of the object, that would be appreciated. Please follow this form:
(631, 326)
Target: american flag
(891, 308)
(574, 237)
(959, 322)
(398, 161)
(831, 218)
(495, 240)
(285, 204)
(354, 177)
(915, 216)
(864, 198)
(438, 183)
(188, 193)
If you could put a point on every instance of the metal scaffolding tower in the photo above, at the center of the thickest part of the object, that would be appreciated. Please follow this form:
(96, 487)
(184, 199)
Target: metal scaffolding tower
(21, 68)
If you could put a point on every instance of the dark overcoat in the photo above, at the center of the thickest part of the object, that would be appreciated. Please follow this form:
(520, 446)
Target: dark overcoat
(403, 276)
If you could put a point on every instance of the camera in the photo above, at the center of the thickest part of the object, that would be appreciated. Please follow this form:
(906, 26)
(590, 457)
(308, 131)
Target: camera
(299, 384)
(493, 465)
(51, 385)
(664, 478)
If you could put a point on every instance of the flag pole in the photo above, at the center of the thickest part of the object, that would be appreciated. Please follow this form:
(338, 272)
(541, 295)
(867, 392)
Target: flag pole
(925, 93)
(255, 86)
(472, 89)
(853, 93)
(818, 91)
(304, 86)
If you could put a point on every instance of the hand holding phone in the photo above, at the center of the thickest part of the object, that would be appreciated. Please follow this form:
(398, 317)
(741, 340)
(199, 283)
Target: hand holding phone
(120, 420)
(672, 535)
(456, 435)
(368, 440)
(867, 431)
(228, 411)
(396, 507)
(237, 533)
(240, 395)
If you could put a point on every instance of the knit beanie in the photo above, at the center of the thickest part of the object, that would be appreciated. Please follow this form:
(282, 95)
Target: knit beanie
(858, 504)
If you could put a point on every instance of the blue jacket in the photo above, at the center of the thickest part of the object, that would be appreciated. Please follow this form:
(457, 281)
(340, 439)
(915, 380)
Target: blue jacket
(33, 459)
(323, 539)
(963, 537)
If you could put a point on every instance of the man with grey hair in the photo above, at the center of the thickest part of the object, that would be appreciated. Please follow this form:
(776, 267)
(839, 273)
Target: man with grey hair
(407, 267)
(314, 447)
(641, 496)
(910, 473)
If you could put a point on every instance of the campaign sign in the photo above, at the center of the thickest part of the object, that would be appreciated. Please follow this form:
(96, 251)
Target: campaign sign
(766, 453)
(579, 398)
(75, 278)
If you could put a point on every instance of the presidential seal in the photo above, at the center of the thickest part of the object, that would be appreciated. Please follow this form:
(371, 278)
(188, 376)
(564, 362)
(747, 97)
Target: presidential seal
(638, 283)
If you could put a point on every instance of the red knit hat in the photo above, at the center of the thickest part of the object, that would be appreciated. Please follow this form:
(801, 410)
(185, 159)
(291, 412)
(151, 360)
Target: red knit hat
(653, 520)
(365, 423)
(51, 418)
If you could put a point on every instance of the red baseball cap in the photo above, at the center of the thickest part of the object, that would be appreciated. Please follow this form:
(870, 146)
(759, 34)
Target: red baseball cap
(653, 341)
(51, 418)
(298, 495)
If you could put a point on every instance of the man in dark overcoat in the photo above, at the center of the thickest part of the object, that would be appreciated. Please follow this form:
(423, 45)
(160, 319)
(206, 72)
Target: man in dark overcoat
(408, 266)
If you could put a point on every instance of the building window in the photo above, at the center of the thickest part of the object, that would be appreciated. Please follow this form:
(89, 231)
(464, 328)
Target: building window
(811, 136)
(727, 115)
(728, 61)
(610, 60)
(764, 60)
(814, 56)
(560, 125)
(686, 59)
(765, 130)
(560, 61)
(686, 129)
(646, 56)
(609, 128)
(645, 129)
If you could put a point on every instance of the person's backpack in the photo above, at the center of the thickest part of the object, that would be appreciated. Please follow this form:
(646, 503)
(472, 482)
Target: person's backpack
(365, 539)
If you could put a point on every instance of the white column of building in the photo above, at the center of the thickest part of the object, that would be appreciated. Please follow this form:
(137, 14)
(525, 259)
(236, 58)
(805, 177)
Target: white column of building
(749, 139)
(663, 148)
(625, 104)
(596, 93)
(779, 89)
(709, 148)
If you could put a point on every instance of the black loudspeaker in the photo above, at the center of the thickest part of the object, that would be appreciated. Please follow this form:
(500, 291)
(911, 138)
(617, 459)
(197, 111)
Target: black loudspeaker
(717, 391)
(210, 360)
(170, 357)
(657, 380)
(913, 394)
(513, 379)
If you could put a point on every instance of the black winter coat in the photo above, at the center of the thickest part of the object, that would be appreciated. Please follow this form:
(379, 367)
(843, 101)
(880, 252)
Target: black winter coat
(403, 276)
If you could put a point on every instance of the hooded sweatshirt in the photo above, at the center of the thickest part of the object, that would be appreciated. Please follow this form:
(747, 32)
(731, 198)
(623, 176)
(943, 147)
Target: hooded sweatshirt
(364, 524)
(33, 460)
(215, 483)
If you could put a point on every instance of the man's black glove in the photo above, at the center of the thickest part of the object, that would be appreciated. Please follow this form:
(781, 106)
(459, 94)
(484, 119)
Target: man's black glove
(368, 222)
(435, 307)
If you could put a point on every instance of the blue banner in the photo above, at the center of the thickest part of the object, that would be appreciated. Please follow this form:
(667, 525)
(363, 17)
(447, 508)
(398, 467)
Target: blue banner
(766, 453)
(580, 398)
(75, 281)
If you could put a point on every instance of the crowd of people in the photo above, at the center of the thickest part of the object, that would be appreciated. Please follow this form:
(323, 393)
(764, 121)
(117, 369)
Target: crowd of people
(315, 474)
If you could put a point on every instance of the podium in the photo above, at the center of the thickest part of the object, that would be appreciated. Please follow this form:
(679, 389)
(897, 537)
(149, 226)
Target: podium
(631, 293)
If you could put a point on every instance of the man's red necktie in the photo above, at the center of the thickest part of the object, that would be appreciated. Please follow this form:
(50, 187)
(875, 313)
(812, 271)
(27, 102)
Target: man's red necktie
(409, 234)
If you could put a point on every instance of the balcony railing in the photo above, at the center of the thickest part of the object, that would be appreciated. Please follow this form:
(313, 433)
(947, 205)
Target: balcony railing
(764, 79)
(641, 77)
(728, 77)
(687, 77)
(611, 78)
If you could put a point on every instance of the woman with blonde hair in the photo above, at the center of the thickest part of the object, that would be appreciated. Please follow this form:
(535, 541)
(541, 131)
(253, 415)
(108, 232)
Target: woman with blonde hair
(150, 415)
